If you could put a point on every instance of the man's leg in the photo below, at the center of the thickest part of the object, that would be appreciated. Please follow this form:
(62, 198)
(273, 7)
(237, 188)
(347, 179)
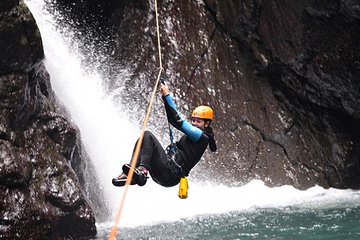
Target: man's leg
(151, 152)
(151, 157)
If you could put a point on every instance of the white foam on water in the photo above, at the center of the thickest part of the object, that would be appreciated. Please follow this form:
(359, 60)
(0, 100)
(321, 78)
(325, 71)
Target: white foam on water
(156, 204)
(109, 138)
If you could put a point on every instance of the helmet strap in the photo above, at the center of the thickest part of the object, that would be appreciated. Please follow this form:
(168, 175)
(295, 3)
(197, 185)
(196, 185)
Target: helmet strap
(207, 123)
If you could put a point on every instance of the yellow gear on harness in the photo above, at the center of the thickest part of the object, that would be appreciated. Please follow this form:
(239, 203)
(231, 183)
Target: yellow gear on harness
(183, 188)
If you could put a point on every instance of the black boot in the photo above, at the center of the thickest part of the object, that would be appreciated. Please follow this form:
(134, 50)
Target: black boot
(121, 180)
(140, 174)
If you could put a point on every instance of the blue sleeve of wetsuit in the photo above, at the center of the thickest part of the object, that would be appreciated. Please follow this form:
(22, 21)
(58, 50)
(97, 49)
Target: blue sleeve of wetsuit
(178, 122)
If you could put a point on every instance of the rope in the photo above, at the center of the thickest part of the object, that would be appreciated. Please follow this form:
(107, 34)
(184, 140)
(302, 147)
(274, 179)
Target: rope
(158, 40)
(138, 145)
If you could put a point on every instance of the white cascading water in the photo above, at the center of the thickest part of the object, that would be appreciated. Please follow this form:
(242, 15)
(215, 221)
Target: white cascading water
(109, 137)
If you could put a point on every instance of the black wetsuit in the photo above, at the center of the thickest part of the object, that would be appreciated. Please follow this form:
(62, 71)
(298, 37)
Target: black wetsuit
(165, 170)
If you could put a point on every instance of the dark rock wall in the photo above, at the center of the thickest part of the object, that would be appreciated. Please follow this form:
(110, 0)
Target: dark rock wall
(41, 195)
(313, 66)
(310, 56)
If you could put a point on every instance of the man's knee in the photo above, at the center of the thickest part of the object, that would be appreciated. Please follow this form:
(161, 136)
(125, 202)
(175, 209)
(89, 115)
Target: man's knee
(148, 134)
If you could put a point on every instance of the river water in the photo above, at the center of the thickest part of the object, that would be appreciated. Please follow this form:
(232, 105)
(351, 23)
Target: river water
(252, 211)
(285, 223)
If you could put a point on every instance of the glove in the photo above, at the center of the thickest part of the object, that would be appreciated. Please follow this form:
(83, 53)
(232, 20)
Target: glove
(163, 80)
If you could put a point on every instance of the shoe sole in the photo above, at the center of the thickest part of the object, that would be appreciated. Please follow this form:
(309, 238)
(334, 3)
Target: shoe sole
(122, 182)
(118, 182)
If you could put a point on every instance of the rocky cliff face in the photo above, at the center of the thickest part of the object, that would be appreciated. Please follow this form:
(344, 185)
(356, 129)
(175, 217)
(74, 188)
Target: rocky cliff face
(42, 197)
(309, 53)
(282, 77)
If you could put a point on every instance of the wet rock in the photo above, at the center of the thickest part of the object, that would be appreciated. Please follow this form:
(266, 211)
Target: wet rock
(15, 166)
(43, 191)
(20, 42)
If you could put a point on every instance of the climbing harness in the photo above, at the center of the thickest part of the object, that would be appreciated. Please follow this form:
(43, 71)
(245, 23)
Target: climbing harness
(171, 149)
(176, 167)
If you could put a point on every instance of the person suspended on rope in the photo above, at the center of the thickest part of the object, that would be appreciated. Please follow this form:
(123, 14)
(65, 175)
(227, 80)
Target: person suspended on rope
(166, 167)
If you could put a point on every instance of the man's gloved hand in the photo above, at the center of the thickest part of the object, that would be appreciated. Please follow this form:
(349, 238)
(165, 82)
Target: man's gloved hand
(163, 80)
(164, 89)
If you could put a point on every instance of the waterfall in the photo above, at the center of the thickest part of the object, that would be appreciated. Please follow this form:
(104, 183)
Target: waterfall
(109, 136)
(106, 133)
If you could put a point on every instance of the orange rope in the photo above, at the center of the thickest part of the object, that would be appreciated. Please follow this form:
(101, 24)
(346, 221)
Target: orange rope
(138, 145)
